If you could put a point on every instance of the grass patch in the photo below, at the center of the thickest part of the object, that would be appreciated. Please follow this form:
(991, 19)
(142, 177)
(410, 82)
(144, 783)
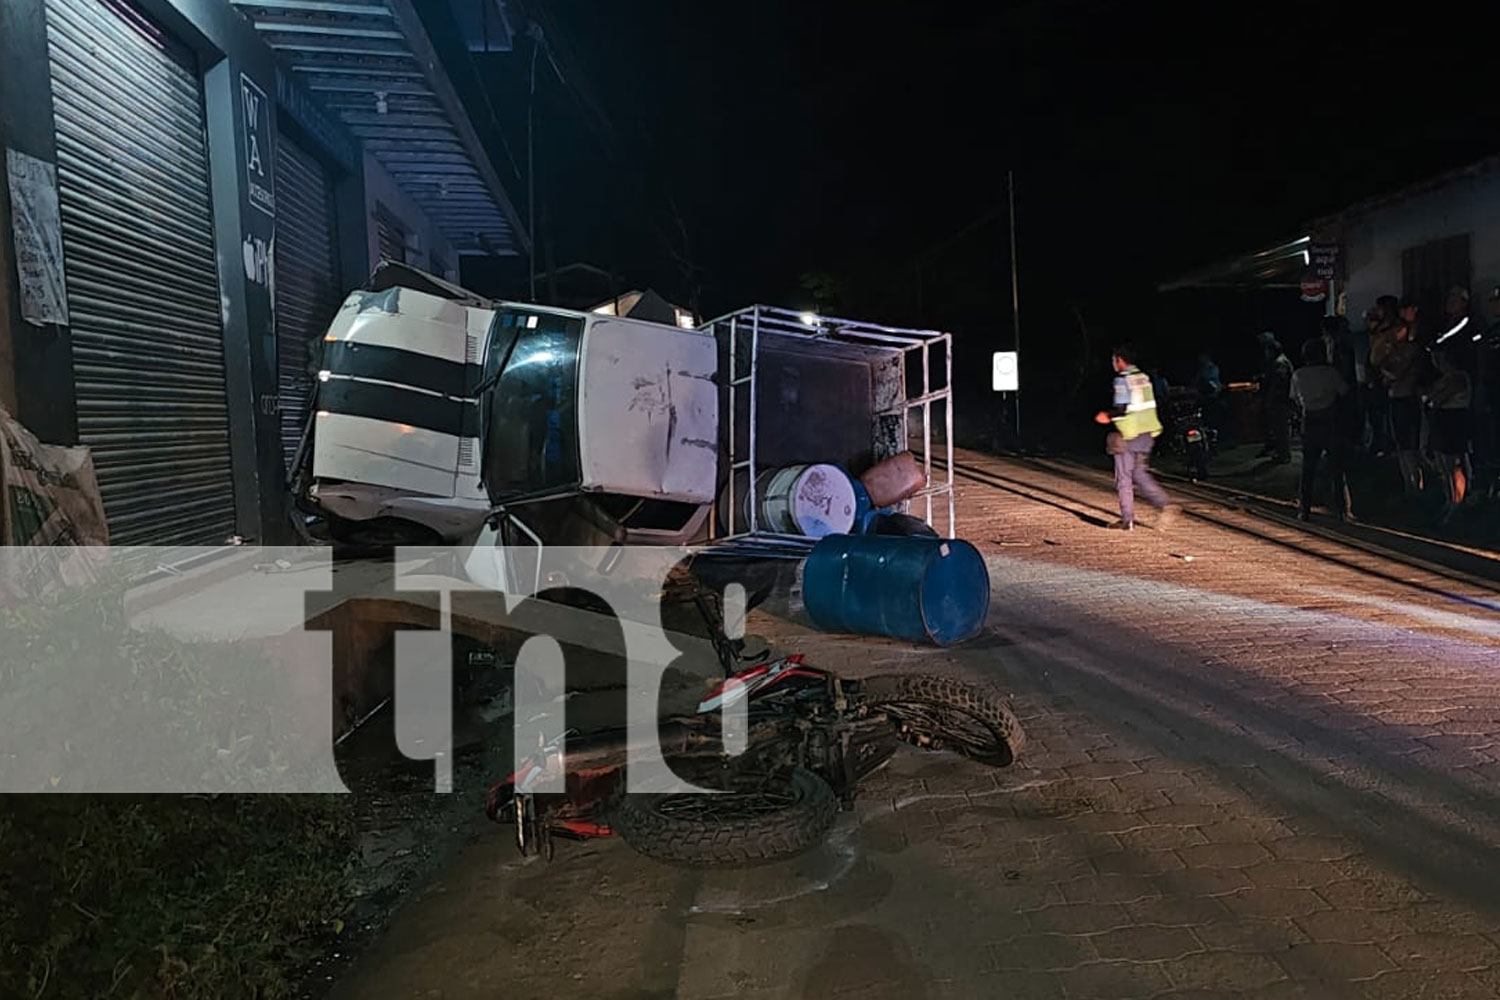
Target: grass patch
(174, 896)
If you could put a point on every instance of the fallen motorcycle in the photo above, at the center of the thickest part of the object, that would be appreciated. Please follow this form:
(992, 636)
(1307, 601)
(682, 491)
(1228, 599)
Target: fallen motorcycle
(811, 737)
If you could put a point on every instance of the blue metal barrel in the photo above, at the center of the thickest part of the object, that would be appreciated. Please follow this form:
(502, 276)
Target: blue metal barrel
(927, 590)
(864, 509)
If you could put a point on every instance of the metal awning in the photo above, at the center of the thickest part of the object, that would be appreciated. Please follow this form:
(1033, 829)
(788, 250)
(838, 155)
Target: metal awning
(372, 63)
(1279, 266)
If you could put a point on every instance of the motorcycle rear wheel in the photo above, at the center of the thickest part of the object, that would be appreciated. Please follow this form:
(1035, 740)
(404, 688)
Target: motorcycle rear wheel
(945, 713)
(762, 819)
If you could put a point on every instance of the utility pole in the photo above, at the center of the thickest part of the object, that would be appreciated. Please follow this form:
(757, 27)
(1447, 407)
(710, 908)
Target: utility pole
(1015, 294)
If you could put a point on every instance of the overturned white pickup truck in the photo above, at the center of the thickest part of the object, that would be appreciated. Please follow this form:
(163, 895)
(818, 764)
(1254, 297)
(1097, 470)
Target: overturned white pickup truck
(441, 417)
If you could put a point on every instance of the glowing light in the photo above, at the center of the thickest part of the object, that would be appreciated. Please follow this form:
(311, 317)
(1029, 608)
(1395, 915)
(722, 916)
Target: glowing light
(810, 319)
(1306, 257)
(1461, 324)
(324, 376)
(539, 358)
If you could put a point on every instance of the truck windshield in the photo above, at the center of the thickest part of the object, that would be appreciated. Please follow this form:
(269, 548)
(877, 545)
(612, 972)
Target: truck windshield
(530, 404)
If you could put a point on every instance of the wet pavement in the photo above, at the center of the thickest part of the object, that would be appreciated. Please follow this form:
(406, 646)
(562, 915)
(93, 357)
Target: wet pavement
(1268, 770)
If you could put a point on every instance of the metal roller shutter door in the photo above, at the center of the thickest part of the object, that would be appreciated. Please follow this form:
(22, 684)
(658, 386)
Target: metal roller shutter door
(307, 292)
(143, 284)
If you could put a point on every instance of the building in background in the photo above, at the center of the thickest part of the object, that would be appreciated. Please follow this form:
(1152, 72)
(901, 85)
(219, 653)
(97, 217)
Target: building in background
(223, 172)
(1415, 243)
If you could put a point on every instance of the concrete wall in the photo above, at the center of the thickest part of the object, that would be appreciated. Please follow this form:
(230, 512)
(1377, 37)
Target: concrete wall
(41, 358)
(1374, 244)
(380, 188)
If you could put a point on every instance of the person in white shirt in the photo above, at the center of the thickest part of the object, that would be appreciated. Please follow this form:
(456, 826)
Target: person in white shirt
(1323, 394)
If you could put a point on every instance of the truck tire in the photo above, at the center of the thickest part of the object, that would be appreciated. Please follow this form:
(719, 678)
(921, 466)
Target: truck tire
(730, 829)
(945, 713)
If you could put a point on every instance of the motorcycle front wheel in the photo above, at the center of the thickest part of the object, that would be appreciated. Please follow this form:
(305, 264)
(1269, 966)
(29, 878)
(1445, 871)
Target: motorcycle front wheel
(757, 819)
(945, 713)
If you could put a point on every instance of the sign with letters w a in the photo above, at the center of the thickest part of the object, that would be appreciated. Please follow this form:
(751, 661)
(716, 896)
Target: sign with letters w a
(257, 114)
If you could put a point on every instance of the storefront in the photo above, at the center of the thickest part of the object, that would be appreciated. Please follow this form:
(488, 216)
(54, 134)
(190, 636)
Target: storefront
(138, 234)
(222, 173)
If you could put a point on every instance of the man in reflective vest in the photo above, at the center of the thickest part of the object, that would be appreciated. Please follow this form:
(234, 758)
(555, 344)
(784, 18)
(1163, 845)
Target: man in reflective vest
(1136, 429)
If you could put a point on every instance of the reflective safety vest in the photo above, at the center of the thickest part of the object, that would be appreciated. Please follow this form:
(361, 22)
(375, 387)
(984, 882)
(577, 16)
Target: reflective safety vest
(1133, 392)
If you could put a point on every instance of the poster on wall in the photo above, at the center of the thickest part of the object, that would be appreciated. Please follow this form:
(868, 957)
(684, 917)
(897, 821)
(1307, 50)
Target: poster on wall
(1320, 272)
(37, 228)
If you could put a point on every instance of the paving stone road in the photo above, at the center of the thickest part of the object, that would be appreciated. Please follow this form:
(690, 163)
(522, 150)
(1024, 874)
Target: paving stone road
(1272, 771)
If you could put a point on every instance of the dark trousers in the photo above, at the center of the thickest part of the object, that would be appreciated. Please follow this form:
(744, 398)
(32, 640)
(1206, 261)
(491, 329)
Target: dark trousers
(1278, 417)
(1325, 433)
(1485, 435)
(1377, 414)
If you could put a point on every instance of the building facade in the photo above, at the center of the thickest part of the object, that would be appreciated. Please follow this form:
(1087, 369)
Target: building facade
(222, 174)
(1420, 242)
(1415, 243)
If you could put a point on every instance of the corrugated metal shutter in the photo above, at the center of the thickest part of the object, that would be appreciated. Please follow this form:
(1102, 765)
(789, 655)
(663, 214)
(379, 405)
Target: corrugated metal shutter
(390, 234)
(143, 285)
(307, 292)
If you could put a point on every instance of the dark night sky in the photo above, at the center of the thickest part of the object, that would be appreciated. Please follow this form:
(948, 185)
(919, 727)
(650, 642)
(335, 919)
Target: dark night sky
(857, 138)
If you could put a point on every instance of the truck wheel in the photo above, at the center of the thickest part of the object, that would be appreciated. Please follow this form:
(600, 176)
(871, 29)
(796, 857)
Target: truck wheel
(945, 713)
(761, 819)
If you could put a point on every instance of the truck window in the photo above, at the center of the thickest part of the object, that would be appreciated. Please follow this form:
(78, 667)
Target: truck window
(531, 404)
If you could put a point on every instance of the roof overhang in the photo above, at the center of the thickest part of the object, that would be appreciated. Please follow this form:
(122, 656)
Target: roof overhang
(372, 63)
(1279, 266)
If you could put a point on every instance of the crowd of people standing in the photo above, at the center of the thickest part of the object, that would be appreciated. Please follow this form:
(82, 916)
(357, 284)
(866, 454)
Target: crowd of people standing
(1427, 394)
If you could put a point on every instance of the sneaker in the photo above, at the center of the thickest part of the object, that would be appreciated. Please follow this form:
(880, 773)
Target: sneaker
(1121, 526)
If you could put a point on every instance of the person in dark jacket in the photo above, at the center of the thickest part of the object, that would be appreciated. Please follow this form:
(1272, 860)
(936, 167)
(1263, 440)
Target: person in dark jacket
(1276, 399)
(1486, 403)
(1404, 368)
(1383, 326)
(1210, 385)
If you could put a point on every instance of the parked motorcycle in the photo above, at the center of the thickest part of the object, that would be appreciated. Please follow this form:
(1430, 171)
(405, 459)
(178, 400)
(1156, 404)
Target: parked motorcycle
(812, 737)
(1191, 435)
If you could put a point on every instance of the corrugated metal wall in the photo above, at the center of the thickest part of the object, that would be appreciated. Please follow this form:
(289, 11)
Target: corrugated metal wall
(307, 293)
(143, 286)
(390, 235)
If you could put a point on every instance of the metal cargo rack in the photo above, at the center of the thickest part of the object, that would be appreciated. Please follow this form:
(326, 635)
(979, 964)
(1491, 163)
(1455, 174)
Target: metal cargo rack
(910, 371)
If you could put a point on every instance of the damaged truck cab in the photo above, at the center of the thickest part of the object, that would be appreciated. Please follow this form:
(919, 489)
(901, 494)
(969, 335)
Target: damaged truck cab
(434, 407)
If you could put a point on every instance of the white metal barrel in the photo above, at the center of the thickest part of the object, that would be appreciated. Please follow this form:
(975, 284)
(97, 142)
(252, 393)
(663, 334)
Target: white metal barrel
(809, 500)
